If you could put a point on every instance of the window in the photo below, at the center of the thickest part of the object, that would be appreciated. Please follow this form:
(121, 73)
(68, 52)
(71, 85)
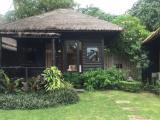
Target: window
(93, 54)
(119, 66)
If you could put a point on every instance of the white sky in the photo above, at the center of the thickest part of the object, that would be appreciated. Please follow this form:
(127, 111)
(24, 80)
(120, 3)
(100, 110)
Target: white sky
(109, 6)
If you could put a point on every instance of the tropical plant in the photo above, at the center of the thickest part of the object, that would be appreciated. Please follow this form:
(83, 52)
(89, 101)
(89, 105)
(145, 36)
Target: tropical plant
(54, 79)
(103, 79)
(34, 84)
(7, 85)
(74, 78)
(130, 42)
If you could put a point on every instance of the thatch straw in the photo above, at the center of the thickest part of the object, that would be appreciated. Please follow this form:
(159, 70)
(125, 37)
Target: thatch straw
(61, 19)
(153, 36)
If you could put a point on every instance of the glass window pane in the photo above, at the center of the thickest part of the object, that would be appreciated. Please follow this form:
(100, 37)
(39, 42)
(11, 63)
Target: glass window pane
(93, 54)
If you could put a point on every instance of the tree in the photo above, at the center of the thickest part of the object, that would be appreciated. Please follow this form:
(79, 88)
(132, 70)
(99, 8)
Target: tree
(10, 16)
(26, 8)
(148, 11)
(2, 19)
(131, 39)
(96, 12)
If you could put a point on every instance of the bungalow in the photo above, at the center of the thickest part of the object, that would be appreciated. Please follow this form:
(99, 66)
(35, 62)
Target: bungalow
(64, 37)
(152, 44)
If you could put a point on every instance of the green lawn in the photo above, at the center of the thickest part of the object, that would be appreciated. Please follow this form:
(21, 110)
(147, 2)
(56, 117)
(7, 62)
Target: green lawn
(108, 105)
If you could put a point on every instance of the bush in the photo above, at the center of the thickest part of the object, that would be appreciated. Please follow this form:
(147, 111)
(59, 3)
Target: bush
(133, 86)
(38, 100)
(152, 89)
(54, 79)
(74, 78)
(8, 85)
(103, 79)
(33, 84)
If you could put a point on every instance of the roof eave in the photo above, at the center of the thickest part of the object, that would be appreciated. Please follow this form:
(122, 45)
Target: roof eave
(152, 36)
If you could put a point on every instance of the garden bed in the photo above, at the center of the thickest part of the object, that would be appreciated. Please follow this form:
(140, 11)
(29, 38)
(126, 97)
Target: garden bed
(38, 100)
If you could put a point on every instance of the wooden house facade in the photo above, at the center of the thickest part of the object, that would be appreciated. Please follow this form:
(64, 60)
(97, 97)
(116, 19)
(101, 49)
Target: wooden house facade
(66, 38)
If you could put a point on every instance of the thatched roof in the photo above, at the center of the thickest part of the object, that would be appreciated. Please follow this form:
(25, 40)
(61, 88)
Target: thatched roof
(153, 36)
(61, 20)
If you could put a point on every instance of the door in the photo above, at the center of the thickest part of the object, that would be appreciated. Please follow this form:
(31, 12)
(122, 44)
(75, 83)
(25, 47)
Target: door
(73, 55)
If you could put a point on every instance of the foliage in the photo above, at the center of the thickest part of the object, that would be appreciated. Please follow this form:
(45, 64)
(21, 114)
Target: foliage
(103, 79)
(99, 105)
(26, 8)
(96, 12)
(10, 16)
(38, 100)
(152, 88)
(110, 79)
(54, 79)
(148, 11)
(66, 96)
(133, 86)
(74, 78)
(2, 19)
(33, 84)
(131, 39)
(7, 85)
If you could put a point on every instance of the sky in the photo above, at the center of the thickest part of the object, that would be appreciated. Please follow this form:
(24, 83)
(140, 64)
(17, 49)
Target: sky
(116, 7)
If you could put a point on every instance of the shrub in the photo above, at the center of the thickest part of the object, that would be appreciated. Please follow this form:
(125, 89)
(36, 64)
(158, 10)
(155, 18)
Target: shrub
(38, 100)
(133, 86)
(74, 78)
(103, 79)
(8, 85)
(33, 84)
(65, 96)
(152, 89)
(54, 79)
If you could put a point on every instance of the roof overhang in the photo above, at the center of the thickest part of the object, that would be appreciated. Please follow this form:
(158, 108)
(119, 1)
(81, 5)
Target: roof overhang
(29, 34)
(152, 37)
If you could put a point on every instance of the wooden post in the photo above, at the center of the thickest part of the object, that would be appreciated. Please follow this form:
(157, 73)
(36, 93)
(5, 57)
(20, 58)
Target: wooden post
(0, 51)
(53, 52)
(78, 55)
(103, 54)
(26, 73)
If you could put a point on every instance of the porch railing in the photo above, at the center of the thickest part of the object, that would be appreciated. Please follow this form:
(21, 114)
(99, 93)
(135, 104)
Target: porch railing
(22, 72)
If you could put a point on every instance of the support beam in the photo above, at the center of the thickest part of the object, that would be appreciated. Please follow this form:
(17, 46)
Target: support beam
(53, 52)
(0, 51)
(103, 54)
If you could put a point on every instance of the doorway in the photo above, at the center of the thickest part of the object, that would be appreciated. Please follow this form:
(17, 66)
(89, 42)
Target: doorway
(73, 56)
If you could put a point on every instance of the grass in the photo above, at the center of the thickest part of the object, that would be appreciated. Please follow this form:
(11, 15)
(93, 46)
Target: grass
(94, 106)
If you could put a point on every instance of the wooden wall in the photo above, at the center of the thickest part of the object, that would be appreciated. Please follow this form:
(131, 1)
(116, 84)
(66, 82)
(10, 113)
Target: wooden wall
(89, 43)
(113, 60)
(87, 39)
(48, 55)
